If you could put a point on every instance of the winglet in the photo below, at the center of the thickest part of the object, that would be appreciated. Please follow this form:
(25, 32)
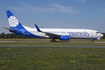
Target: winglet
(37, 28)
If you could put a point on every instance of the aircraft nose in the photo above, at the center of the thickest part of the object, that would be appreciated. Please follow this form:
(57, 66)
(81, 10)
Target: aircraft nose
(101, 35)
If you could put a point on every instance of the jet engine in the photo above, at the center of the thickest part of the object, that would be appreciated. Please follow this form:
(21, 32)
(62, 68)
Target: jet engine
(65, 37)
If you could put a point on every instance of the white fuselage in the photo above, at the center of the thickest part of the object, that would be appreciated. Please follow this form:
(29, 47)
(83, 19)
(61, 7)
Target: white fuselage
(73, 33)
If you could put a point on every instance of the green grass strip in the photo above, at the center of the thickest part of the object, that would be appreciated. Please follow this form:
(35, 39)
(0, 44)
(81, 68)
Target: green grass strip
(51, 58)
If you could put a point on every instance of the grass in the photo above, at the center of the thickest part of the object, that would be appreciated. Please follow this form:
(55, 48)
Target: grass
(52, 43)
(41, 39)
(24, 39)
(72, 42)
(50, 58)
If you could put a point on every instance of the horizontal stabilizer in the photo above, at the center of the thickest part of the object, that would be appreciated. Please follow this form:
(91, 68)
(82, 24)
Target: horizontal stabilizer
(10, 29)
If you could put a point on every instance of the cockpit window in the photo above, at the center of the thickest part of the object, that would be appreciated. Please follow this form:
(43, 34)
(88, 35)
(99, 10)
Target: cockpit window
(97, 32)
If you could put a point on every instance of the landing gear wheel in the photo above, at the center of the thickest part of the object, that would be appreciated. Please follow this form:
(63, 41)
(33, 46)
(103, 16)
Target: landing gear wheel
(53, 40)
(92, 40)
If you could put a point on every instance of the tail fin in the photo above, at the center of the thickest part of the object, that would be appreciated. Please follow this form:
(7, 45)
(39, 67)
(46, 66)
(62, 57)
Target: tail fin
(13, 22)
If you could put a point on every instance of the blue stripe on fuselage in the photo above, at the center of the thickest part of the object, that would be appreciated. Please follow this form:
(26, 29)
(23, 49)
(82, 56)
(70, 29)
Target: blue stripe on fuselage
(22, 31)
(25, 33)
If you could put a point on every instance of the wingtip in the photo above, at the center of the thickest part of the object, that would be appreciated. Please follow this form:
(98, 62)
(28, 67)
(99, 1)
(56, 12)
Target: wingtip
(37, 28)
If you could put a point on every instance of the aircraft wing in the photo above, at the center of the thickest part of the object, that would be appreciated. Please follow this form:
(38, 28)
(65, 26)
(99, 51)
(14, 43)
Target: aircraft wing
(47, 33)
(10, 29)
(52, 35)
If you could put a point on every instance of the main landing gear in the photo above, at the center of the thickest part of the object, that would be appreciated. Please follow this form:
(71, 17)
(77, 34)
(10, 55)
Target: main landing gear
(53, 40)
(92, 40)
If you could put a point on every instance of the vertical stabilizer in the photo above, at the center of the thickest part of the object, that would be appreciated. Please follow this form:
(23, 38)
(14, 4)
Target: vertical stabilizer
(13, 22)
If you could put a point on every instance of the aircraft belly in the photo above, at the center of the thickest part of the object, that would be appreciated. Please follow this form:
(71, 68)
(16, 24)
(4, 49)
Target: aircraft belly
(40, 34)
(83, 37)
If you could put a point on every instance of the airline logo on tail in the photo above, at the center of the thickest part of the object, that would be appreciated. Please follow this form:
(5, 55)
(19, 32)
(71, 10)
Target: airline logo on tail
(13, 22)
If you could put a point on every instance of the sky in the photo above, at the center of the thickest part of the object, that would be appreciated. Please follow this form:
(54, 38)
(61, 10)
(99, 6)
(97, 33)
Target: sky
(82, 14)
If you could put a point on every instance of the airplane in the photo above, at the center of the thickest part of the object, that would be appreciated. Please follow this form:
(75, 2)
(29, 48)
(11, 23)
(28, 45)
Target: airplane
(50, 33)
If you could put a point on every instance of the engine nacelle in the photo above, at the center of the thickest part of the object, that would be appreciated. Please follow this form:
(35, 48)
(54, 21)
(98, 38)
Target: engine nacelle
(65, 37)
